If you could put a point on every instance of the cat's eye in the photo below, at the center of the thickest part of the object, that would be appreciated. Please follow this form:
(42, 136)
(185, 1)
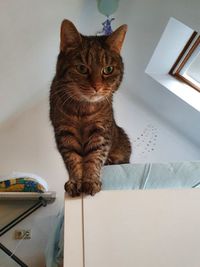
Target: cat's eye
(82, 69)
(107, 70)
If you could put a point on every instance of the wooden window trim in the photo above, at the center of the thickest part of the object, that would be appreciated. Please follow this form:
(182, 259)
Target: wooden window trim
(183, 58)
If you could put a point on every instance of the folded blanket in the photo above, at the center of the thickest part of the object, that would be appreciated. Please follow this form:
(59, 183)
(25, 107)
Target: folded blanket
(22, 182)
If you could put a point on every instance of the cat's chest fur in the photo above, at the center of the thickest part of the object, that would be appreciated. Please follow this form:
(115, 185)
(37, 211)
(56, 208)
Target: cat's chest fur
(84, 120)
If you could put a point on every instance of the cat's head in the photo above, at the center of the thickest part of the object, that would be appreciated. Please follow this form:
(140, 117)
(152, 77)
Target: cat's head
(90, 67)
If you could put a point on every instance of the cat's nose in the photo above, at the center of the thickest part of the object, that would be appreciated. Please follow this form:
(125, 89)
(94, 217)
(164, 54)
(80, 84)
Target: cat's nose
(96, 87)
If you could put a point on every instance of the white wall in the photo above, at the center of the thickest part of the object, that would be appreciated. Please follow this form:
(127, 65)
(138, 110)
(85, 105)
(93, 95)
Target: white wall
(26, 140)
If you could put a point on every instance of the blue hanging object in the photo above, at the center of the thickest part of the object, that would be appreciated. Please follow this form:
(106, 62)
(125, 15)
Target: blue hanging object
(107, 7)
(107, 29)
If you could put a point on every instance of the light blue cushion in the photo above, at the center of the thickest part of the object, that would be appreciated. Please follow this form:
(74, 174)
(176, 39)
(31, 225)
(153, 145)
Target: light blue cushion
(151, 176)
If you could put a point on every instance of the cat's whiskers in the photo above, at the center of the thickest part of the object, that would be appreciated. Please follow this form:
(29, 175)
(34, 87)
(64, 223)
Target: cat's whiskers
(61, 94)
(61, 81)
(60, 107)
(109, 102)
(62, 84)
(69, 99)
(59, 98)
(58, 92)
(60, 87)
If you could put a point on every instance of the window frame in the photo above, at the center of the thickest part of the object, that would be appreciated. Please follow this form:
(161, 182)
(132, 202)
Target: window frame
(185, 55)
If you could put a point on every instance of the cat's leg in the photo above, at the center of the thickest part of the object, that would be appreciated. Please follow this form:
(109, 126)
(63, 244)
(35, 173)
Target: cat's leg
(70, 149)
(95, 154)
(120, 151)
(91, 183)
(73, 163)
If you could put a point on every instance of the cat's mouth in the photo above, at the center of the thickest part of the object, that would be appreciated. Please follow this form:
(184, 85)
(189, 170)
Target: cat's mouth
(93, 98)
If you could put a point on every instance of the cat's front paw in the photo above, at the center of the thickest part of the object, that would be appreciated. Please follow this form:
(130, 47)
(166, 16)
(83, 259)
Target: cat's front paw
(73, 187)
(91, 186)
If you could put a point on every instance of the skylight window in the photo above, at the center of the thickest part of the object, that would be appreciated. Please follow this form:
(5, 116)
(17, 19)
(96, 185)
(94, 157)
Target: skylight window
(187, 66)
(180, 44)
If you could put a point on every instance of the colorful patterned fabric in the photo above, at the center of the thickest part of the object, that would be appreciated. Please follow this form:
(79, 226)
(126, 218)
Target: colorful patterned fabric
(24, 184)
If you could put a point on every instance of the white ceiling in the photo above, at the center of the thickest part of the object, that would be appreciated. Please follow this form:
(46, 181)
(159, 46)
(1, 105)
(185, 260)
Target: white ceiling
(29, 32)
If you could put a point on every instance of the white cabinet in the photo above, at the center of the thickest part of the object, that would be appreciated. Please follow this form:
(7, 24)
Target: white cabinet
(158, 228)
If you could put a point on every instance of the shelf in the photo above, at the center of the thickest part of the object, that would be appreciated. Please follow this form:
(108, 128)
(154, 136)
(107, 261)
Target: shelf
(49, 196)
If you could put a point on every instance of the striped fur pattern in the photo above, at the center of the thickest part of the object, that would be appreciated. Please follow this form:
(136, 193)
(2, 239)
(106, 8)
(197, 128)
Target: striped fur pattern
(89, 70)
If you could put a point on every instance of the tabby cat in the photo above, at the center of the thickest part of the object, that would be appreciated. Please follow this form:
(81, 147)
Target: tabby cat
(89, 70)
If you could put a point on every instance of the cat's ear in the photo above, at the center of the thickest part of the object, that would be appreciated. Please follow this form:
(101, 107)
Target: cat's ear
(116, 39)
(69, 36)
